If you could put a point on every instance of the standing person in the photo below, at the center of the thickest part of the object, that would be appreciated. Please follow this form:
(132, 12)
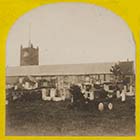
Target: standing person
(77, 96)
(88, 91)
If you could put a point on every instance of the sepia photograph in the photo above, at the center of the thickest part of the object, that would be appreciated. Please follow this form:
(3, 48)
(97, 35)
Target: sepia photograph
(70, 71)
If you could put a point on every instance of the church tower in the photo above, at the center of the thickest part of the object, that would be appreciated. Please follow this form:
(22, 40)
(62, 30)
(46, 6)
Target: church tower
(29, 55)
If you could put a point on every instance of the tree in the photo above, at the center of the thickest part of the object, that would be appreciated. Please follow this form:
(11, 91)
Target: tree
(116, 70)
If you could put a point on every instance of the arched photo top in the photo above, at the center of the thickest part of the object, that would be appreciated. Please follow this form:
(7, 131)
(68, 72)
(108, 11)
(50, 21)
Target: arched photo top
(68, 53)
(69, 33)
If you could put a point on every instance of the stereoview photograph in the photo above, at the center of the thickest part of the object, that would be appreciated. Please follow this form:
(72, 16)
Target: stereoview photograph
(70, 71)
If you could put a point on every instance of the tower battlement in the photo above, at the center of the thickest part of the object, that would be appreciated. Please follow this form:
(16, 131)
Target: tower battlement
(29, 55)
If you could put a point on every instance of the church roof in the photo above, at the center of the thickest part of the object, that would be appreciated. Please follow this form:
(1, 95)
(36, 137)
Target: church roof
(62, 69)
(67, 69)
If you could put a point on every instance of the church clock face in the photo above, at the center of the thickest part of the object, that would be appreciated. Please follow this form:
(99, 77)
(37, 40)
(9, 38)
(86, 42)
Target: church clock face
(25, 54)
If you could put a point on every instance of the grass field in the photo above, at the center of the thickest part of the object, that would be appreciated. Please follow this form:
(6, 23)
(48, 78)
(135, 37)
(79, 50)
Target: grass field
(57, 118)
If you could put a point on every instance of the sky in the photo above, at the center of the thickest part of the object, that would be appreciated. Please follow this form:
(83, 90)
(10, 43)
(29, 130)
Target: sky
(70, 33)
